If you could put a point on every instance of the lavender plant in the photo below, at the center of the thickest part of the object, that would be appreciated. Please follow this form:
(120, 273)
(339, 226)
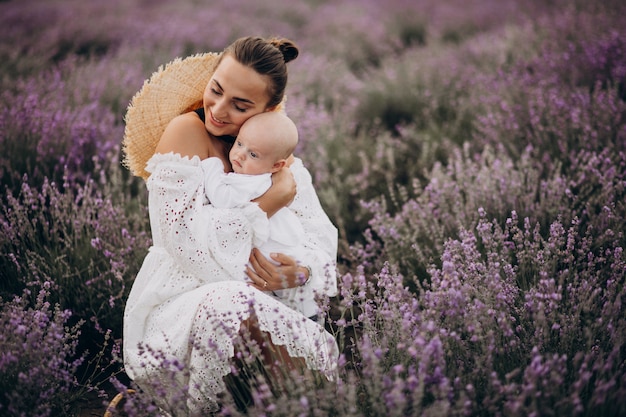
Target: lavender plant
(471, 154)
(565, 100)
(45, 135)
(38, 362)
(507, 313)
(414, 237)
(79, 242)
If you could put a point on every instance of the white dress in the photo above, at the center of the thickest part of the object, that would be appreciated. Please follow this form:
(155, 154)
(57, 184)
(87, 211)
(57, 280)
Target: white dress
(186, 304)
(285, 235)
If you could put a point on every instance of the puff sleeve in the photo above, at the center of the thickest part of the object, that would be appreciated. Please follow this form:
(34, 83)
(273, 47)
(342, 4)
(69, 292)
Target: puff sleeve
(207, 242)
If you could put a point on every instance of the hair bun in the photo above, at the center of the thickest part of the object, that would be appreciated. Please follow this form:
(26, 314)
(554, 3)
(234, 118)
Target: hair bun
(287, 48)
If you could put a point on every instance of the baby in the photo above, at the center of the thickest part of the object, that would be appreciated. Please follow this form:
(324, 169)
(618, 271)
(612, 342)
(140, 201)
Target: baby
(264, 143)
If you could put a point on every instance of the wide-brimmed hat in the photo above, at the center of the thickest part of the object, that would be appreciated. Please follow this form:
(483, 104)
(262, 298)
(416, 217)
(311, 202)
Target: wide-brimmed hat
(173, 89)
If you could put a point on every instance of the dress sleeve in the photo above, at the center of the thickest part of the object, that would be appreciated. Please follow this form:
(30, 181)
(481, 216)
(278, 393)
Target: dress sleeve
(208, 242)
(321, 235)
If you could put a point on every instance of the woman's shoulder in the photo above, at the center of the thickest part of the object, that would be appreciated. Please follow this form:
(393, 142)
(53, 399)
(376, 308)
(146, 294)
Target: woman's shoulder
(185, 135)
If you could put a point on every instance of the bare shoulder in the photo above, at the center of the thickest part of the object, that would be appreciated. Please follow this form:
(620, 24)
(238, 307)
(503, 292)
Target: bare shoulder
(185, 135)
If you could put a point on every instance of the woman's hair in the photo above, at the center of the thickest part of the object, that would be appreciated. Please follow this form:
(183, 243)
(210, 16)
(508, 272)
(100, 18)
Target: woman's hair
(267, 57)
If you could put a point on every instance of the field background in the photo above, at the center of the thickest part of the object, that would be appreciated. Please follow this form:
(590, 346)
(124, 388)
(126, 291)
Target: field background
(472, 154)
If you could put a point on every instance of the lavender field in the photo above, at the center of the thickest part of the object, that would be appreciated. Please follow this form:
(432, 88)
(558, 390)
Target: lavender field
(472, 154)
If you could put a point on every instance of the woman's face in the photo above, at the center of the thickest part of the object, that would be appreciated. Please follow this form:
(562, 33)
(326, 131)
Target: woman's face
(234, 94)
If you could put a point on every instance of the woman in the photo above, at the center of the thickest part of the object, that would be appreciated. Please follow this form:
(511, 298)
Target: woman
(185, 306)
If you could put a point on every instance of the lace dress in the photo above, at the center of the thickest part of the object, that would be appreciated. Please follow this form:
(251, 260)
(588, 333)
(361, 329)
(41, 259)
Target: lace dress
(189, 298)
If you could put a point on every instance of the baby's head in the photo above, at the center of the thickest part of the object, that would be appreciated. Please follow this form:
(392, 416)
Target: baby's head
(264, 143)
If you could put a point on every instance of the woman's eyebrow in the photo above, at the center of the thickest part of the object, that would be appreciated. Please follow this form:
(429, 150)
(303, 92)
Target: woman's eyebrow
(218, 84)
(243, 100)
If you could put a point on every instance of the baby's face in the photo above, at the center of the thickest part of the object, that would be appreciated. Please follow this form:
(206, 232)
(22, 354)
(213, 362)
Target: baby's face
(251, 154)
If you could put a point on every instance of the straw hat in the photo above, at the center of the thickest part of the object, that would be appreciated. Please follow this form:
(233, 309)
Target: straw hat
(172, 90)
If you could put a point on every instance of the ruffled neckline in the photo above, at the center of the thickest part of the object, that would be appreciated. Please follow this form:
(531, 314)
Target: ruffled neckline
(194, 160)
(171, 157)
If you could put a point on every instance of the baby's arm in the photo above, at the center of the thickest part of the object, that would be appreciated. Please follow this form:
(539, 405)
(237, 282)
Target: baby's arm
(227, 190)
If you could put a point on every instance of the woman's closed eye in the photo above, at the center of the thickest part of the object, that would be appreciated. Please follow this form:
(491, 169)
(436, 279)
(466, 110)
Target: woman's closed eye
(218, 93)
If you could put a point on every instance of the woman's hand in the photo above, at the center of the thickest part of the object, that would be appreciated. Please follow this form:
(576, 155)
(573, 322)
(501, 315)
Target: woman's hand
(268, 276)
(280, 194)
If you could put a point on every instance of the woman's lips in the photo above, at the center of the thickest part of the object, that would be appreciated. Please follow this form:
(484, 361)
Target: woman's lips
(217, 122)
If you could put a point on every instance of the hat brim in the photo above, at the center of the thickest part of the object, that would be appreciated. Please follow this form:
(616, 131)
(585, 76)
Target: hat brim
(172, 90)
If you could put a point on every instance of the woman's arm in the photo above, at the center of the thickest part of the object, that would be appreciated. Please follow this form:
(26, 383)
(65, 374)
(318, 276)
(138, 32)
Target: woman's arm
(209, 243)
(320, 246)
(280, 194)
(205, 241)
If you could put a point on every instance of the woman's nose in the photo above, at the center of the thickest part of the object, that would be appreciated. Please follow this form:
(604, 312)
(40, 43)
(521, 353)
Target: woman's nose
(219, 108)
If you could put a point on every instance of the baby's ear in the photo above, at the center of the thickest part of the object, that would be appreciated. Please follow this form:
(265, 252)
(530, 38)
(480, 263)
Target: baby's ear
(278, 165)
